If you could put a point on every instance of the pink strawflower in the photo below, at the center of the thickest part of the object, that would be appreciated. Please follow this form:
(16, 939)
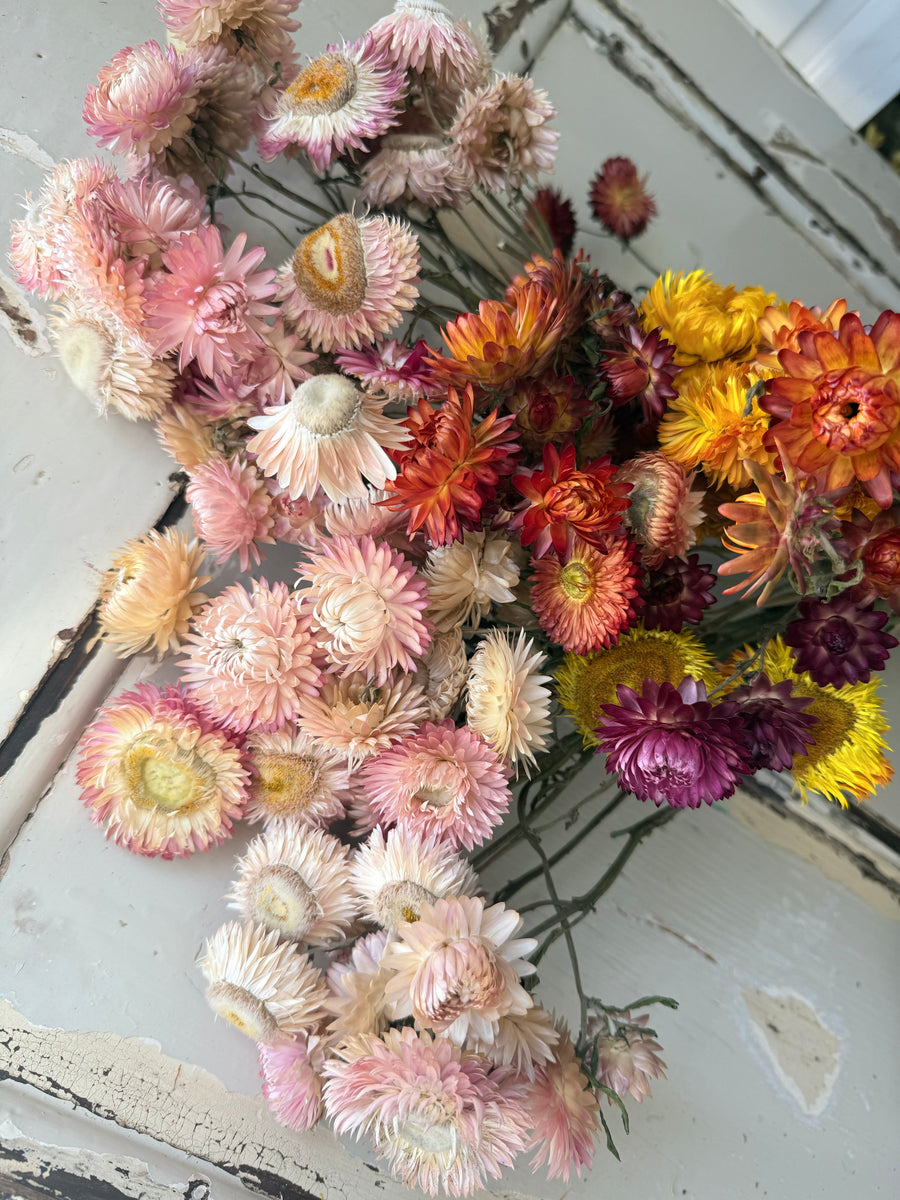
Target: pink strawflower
(458, 967)
(627, 1062)
(440, 1117)
(250, 659)
(354, 719)
(421, 36)
(837, 642)
(774, 727)
(247, 27)
(389, 369)
(232, 509)
(292, 1079)
(295, 780)
(522, 1041)
(299, 521)
(671, 744)
(416, 168)
(365, 604)
(442, 781)
(563, 1113)
(210, 301)
(150, 211)
(366, 516)
(501, 132)
(271, 376)
(225, 88)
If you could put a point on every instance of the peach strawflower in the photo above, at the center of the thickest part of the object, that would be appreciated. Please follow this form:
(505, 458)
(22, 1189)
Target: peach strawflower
(507, 701)
(232, 509)
(563, 1111)
(355, 999)
(523, 1041)
(158, 775)
(367, 517)
(296, 880)
(585, 603)
(365, 604)
(416, 168)
(250, 657)
(294, 779)
(441, 1118)
(329, 435)
(190, 440)
(442, 673)
(352, 717)
(150, 211)
(501, 131)
(396, 874)
(350, 280)
(246, 27)
(443, 781)
(292, 1079)
(665, 510)
(467, 577)
(265, 988)
(421, 36)
(150, 593)
(627, 1062)
(458, 968)
(780, 330)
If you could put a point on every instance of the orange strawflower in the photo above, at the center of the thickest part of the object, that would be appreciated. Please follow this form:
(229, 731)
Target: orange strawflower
(586, 602)
(780, 330)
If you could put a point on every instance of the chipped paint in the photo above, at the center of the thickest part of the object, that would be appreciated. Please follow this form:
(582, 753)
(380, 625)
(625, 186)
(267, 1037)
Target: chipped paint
(25, 147)
(21, 320)
(802, 1050)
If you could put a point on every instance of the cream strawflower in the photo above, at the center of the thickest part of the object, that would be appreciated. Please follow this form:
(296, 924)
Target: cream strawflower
(350, 280)
(398, 873)
(296, 880)
(443, 672)
(507, 702)
(467, 577)
(245, 26)
(150, 593)
(523, 1041)
(295, 779)
(500, 130)
(353, 717)
(264, 987)
(365, 605)
(329, 435)
(356, 989)
(458, 968)
(157, 774)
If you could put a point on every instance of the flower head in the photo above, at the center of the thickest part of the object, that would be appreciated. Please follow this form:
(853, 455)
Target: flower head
(421, 36)
(507, 701)
(159, 776)
(292, 1079)
(244, 26)
(550, 216)
(232, 509)
(389, 369)
(415, 168)
(584, 603)
(467, 577)
(522, 1041)
(780, 330)
(563, 1112)
(775, 727)
(875, 546)
(501, 131)
(627, 1062)
(442, 673)
(619, 199)
(294, 779)
(354, 718)
(549, 408)
(641, 369)
(396, 874)
(836, 642)
(676, 593)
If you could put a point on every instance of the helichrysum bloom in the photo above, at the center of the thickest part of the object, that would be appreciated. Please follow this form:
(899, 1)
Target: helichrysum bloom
(501, 130)
(671, 744)
(292, 1079)
(563, 1113)
(245, 26)
(159, 776)
(585, 602)
(150, 593)
(522, 1041)
(775, 723)
(421, 36)
(780, 329)
(442, 781)
(294, 779)
(232, 509)
(507, 701)
(388, 368)
(626, 1063)
(664, 508)
(365, 605)
(442, 673)
(353, 718)
(641, 368)
(875, 545)
(442, 1118)
(296, 880)
(250, 657)
(415, 168)
(351, 280)
(836, 642)
(458, 967)
(329, 435)
(467, 577)
(550, 215)
(265, 988)
(355, 999)
(396, 874)
(675, 593)
(620, 200)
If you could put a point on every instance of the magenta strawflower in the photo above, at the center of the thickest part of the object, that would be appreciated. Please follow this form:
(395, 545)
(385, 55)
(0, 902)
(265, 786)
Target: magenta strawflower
(671, 744)
(641, 369)
(292, 1079)
(389, 369)
(838, 642)
(774, 724)
(676, 593)
(232, 509)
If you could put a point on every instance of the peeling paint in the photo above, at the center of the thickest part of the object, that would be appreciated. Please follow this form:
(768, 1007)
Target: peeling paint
(804, 1053)
(20, 319)
(25, 147)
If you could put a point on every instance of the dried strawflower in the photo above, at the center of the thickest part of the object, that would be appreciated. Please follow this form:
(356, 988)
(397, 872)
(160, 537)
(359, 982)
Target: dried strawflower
(416, 168)
(619, 199)
(292, 1079)
(232, 509)
(675, 593)
(507, 701)
(501, 131)
(442, 673)
(665, 509)
(421, 36)
(563, 1112)
(395, 874)
(584, 603)
(837, 642)
(355, 999)
(628, 1061)
(775, 727)
(467, 577)
(354, 718)
(295, 779)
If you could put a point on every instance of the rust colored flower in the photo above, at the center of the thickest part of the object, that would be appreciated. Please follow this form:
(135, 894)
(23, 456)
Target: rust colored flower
(564, 503)
(551, 216)
(780, 330)
(619, 199)
(665, 510)
(586, 602)
(567, 284)
(876, 546)
(838, 405)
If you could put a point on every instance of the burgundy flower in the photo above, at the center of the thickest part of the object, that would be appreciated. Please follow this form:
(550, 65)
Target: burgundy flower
(641, 369)
(676, 593)
(552, 210)
(775, 726)
(875, 545)
(611, 312)
(620, 200)
(551, 408)
(671, 744)
(838, 643)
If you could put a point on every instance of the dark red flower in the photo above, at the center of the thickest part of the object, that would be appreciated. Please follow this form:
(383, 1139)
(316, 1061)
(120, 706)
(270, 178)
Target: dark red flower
(775, 727)
(620, 200)
(551, 213)
(641, 369)
(838, 643)
(676, 593)
(551, 408)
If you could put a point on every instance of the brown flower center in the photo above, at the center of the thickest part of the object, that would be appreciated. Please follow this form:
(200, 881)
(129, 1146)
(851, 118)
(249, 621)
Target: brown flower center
(327, 84)
(330, 266)
(286, 784)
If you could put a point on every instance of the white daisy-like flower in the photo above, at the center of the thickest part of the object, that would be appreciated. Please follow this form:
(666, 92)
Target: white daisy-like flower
(356, 989)
(296, 880)
(398, 873)
(443, 672)
(522, 1041)
(329, 434)
(295, 779)
(264, 987)
(507, 700)
(350, 280)
(467, 577)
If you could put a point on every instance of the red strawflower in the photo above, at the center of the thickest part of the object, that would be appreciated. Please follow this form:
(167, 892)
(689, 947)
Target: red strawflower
(611, 312)
(450, 471)
(676, 593)
(551, 214)
(775, 728)
(564, 503)
(583, 604)
(838, 643)
(641, 369)
(620, 200)
(562, 285)
(875, 546)
(551, 408)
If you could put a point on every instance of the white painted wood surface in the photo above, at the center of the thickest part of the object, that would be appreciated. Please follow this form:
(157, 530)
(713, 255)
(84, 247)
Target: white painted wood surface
(751, 916)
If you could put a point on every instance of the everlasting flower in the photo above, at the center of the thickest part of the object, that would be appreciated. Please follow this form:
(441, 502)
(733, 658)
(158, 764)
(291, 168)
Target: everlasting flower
(159, 776)
(188, 439)
(507, 702)
(367, 517)
(467, 577)
(836, 642)
(296, 880)
(150, 593)
(780, 330)
(150, 211)
(444, 782)
(250, 659)
(563, 1112)
(351, 280)
(330, 435)
(875, 546)
(260, 26)
(671, 744)
(550, 216)
(415, 168)
(389, 369)
(676, 593)
(355, 999)
(619, 199)
(292, 1079)
(421, 36)
(365, 604)
(522, 1041)
(585, 602)
(397, 874)
(501, 131)
(550, 408)
(232, 509)
(627, 1062)
(353, 718)
(457, 967)
(440, 1117)
(263, 987)
(341, 99)
(294, 779)
(775, 727)
(442, 673)
(643, 370)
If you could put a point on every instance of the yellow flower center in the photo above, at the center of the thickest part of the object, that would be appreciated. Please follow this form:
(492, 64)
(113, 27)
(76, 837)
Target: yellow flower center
(243, 1010)
(836, 719)
(329, 266)
(327, 84)
(401, 900)
(286, 784)
(160, 774)
(283, 900)
(576, 582)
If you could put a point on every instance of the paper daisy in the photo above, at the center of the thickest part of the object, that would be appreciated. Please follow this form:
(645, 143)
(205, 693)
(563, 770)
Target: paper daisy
(263, 27)
(507, 701)
(563, 1112)
(265, 988)
(501, 131)
(389, 369)
(355, 999)
(294, 779)
(467, 577)
(353, 718)
(292, 1079)
(586, 602)
(443, 672)
(398, 873)
(626, 1064)
(421, 36)
(522, 1041)
(416, 168)
(232, 509)
(159, 776)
